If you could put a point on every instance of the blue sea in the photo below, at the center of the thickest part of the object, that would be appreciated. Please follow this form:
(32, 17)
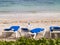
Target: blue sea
(29, 5)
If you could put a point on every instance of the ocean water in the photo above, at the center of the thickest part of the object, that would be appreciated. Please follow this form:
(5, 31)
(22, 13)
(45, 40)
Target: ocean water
(29, 5)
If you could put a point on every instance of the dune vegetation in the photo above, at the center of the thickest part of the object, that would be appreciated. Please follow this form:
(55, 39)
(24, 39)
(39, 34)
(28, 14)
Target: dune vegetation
(29, 41)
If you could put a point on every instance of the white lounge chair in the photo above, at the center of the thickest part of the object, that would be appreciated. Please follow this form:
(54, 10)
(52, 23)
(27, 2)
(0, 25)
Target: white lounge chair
(34, 31)
(12, 29)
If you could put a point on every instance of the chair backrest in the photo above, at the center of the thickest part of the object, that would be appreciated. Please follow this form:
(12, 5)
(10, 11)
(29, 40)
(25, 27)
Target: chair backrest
(37, 30)
(25, 29)
(14, 28)
(54, 28)
(51, 28)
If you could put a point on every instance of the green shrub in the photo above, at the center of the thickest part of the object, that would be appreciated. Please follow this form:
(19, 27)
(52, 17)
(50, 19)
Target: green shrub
(29, 41)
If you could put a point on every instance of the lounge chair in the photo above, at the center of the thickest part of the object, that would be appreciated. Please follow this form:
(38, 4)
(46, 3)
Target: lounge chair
(12, 29)
(54, 30)
(34, 31)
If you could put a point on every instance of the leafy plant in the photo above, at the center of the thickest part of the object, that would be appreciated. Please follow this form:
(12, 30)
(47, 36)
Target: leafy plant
(29, 41)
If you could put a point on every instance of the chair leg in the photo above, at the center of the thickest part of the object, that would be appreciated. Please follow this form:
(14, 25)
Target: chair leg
(16, 34)
(34, 35)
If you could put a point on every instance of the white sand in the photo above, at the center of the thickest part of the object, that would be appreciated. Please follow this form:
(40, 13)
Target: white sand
(44, 20)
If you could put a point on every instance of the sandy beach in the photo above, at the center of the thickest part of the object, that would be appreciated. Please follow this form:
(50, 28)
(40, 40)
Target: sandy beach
(44, 20)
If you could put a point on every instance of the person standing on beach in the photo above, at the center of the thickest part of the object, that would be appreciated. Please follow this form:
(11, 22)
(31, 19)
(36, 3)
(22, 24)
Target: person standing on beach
(29, 25)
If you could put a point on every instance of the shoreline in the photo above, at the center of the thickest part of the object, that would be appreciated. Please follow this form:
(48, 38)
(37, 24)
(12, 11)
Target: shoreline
(42, 11)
